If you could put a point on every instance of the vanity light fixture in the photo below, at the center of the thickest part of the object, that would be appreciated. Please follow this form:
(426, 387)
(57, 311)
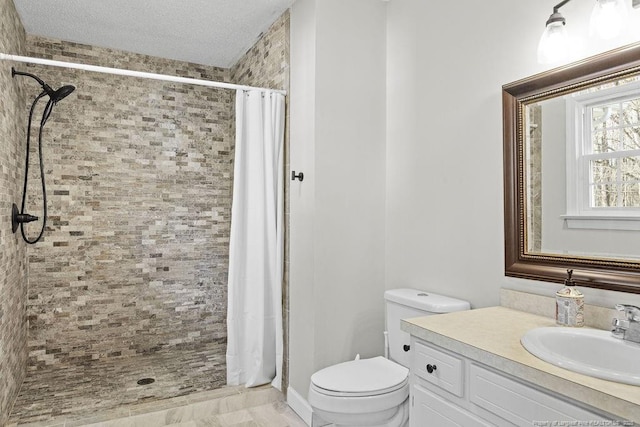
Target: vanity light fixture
(554, 43)
(609, 18)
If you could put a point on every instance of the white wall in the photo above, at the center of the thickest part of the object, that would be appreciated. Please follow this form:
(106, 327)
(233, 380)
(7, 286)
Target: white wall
(337, 212)
(446, 64)
(302, 196)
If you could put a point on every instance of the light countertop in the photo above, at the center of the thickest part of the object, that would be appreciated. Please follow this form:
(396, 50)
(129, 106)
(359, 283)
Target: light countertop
(492, 336)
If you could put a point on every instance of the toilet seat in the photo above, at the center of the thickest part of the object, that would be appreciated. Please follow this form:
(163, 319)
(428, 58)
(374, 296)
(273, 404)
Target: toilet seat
(360, 378)
(361, 394)
(367, 389)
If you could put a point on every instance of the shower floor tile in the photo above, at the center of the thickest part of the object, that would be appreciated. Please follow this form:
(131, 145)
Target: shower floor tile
(74, 392)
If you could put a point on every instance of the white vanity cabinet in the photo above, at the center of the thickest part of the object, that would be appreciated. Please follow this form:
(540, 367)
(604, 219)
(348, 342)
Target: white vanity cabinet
(448, 389)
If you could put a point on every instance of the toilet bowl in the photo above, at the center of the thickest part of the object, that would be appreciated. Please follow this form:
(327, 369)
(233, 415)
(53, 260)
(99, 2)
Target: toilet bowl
(367, 392)
(375, 392)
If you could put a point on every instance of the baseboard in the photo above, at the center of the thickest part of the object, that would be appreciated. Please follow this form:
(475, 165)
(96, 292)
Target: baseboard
(299, 405)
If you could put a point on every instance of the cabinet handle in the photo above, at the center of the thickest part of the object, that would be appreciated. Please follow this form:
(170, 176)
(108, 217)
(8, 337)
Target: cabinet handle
(431, 368)
(406, 347)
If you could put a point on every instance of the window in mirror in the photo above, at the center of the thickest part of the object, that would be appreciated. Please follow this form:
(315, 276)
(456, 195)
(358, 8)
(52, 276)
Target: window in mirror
(603, 157)
(581, 161)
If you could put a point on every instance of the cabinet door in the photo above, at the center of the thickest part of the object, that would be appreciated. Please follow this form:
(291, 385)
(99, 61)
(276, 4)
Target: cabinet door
(429, 410)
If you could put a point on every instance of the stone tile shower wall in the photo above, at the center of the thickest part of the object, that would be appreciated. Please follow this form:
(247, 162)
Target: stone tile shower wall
(266, 64)
(13, 266)
(135, 254)
(134, 258)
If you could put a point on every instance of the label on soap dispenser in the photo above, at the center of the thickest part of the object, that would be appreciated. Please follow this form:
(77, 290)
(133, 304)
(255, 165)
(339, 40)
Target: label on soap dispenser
(569, 311)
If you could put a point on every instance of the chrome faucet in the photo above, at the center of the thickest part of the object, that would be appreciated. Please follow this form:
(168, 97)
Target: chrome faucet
(628, 328)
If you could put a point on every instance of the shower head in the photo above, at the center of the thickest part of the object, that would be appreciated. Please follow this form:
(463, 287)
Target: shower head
(61, 93)
(54, 95)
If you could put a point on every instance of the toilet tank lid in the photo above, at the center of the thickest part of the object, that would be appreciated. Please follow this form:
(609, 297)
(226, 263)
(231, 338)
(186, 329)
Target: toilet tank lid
(426, 301)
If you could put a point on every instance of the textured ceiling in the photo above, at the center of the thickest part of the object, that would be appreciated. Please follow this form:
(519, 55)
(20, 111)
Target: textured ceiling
(211, 32)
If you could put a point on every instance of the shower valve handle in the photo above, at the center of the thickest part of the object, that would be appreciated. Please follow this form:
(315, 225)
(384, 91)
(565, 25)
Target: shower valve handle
(24, 218)
(17, 218)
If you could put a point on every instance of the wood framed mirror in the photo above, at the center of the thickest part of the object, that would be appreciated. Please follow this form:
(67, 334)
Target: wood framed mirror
(572, 173)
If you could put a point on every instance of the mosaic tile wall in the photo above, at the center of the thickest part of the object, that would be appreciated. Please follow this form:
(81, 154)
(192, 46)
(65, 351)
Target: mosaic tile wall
(135, 255)
(134, 258)
(139, 182)
(266, 64)
(13, 268)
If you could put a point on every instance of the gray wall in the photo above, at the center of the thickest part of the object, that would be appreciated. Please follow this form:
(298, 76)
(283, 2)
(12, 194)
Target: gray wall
(13, 266)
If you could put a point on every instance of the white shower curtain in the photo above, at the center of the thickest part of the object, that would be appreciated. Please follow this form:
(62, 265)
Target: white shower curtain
(254, 312)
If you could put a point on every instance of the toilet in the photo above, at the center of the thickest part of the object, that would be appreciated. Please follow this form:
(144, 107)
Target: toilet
(375, 392)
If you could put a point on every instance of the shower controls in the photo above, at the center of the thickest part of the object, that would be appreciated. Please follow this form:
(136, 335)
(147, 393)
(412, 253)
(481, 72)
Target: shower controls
(299, 176)
(17, 218)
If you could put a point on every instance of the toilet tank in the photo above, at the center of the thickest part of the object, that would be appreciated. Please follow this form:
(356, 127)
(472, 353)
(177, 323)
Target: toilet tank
(406, 303)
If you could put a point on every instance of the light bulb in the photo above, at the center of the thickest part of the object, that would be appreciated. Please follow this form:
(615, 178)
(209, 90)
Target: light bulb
(554, 43)
(608, 18)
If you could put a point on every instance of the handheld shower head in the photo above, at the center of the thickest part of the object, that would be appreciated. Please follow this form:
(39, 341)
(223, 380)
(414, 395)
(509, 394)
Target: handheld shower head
(62, 93)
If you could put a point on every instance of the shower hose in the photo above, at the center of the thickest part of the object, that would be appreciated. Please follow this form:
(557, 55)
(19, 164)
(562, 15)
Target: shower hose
(45, 115)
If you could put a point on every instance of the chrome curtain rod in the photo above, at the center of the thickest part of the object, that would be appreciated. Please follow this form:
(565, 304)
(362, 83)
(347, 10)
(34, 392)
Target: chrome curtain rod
(131, 73)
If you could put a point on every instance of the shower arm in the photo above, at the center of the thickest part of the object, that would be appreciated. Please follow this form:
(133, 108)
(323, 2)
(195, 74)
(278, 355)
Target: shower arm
(46, 87)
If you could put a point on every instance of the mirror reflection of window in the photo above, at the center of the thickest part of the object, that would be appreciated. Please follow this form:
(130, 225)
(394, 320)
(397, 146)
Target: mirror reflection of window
(603, 142)
(582, 172)
(614, 150)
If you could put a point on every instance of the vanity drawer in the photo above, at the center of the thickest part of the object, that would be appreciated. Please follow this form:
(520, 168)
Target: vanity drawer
(519, 403)
(447, 371)
(432, 410)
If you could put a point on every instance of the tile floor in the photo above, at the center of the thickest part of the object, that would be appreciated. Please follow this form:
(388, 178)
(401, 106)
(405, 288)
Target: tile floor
(276, 414)
(69, 393)
(226, 407)
(188, 391)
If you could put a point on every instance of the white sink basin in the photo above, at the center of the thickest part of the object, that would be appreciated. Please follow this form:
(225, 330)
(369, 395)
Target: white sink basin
(588, 351)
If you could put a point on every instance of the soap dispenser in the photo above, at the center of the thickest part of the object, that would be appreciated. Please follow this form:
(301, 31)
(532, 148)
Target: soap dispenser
(569, 304)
